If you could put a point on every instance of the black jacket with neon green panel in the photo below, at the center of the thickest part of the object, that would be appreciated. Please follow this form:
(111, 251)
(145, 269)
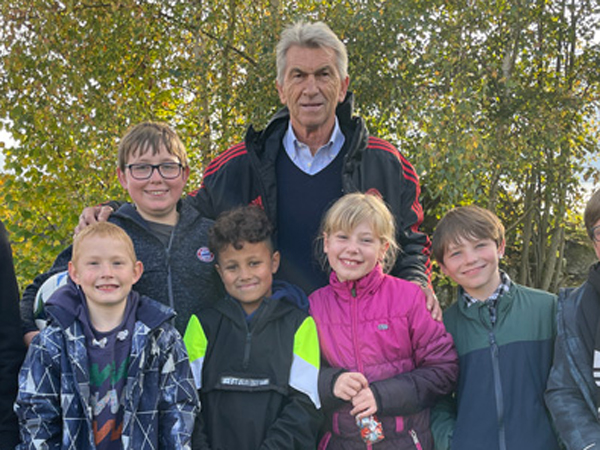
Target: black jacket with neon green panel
(503, 370)
(258, 381)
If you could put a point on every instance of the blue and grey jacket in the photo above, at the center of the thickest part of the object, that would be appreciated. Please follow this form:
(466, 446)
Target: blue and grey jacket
(53, 404)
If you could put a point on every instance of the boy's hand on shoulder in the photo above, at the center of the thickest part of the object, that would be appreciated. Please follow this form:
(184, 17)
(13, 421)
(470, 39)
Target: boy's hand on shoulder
(93, 214)
(349, 384)
(364, 404)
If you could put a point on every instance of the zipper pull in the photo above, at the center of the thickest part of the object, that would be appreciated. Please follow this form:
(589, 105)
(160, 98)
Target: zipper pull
(493, 343)
(353, 291)
(246, 361)
(415, 438)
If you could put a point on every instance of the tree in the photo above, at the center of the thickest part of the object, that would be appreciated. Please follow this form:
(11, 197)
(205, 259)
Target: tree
(490, 100)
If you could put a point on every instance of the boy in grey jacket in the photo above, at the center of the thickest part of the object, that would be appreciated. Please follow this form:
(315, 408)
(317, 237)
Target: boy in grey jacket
(170, 237)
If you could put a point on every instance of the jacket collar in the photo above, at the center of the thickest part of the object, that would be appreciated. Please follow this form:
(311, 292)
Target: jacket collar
(357, 288)
(503, 305)
(277, 126)
(64, 305)
(187, 214)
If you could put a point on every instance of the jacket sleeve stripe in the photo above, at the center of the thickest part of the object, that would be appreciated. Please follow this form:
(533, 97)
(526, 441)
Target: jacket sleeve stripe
(407, 168)
(225, 157)
(304, 374)
(196, 344)
(410, 175)
(418, 210)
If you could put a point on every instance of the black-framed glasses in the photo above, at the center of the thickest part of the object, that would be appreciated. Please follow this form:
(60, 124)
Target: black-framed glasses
(595, 232)
(142, 171)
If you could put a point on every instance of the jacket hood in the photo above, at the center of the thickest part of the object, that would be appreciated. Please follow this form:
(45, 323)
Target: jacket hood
(129, 212)
(290, 293)
(66, 303)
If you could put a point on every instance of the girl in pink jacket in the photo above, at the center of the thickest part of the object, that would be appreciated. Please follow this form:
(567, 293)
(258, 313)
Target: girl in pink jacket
(386, 361)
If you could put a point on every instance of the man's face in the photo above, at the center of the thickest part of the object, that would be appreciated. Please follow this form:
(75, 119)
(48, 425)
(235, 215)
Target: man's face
(312, 89)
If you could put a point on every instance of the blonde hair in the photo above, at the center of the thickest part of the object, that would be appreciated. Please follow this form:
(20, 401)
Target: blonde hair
(105, 230)
(150, 137)
(465, 222)
(353, 209)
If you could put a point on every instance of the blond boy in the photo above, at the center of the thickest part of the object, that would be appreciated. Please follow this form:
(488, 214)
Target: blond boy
(109, 371)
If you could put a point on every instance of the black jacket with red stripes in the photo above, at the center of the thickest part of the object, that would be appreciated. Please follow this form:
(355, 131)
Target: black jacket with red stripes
(245, 173)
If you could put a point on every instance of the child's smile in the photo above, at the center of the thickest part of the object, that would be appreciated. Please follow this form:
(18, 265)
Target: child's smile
(474, 265)
(353, 255)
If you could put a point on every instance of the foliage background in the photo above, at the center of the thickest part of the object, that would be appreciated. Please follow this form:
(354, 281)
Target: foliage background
(494, 102)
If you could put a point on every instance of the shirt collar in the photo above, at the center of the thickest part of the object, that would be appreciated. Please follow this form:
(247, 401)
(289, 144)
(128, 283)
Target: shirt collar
(300, 153)
(503, 287)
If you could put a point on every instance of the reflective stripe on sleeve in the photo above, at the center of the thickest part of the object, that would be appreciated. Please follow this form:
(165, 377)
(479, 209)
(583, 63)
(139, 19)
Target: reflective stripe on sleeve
(304, 375)
(195, 343)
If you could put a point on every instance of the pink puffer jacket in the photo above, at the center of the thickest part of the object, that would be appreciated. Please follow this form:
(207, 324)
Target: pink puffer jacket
(380, 326)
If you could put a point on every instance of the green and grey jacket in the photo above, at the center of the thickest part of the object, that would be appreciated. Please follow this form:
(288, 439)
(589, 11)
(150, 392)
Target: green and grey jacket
(503, 369)
(258, 379)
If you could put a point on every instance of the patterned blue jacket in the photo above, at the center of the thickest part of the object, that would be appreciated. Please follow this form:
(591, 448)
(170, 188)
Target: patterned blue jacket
(160, 399)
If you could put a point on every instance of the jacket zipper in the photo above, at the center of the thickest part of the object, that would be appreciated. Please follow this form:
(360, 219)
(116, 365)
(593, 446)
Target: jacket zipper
(498, 390)
(354, 329)
(248, 344)
(247, 350)
(415, 438)
(169, 275)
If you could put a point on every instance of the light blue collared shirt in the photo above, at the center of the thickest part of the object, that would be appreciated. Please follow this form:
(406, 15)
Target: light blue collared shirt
(300, 153)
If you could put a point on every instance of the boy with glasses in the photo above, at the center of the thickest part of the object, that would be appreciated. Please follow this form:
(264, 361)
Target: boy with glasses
(573, 392)
(170, 237)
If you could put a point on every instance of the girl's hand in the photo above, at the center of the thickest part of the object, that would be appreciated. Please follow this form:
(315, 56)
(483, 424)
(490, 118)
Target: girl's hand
(349, 384)
(364, 404)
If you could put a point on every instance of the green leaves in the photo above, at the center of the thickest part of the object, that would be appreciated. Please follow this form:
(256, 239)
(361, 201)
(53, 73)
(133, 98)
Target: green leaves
(491, 101)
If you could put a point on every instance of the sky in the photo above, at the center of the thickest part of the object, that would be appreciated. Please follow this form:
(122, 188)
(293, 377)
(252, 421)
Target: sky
(6, 138)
